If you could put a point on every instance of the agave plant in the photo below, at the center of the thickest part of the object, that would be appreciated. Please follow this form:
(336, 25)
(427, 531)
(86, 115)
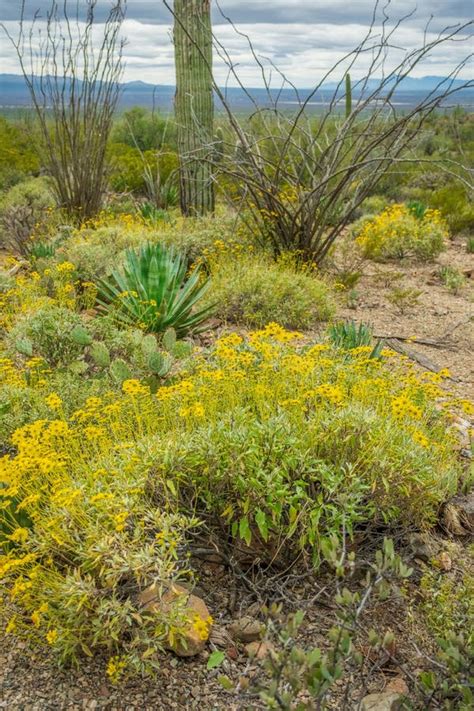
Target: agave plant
(153, 291)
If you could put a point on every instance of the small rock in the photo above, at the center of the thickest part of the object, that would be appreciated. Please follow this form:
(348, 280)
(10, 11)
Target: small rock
(219, 636)
(388, 701)
(444, 562)
(423, 547)
(232, 653)
(398, 685)
(197, 623)
(258, 650)
(246, 629)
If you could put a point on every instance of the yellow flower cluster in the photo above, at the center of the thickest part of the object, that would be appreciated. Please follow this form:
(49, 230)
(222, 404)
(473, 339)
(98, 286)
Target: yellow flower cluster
(397, 233)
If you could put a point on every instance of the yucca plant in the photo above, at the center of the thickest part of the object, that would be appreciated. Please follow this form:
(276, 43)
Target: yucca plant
(349, 335)
(153, 291)
(417, 208)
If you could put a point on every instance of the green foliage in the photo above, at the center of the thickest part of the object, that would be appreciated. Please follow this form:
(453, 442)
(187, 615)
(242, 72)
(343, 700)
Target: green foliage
(143, 129)
(470, 245)
(253, 291)
(452, 278)
(153, 214)
(17, 156)
(447, 610)
(132, 170)
(417, 208)
(456, 207)
(152, 291)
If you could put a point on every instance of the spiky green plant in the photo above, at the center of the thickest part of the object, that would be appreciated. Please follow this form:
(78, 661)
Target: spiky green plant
(153, 291)
(349, 335)
(417, 208)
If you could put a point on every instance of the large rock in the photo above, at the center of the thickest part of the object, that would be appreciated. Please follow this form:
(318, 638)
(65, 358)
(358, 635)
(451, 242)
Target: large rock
(197, 619)
(388, 701)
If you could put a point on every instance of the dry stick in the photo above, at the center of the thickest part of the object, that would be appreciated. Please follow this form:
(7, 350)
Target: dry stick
(395, 345)
(442, 342)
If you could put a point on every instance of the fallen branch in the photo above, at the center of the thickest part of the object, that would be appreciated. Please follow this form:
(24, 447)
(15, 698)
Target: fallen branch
(426, 363)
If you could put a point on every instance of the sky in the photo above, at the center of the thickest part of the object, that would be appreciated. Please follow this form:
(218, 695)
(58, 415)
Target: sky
(303, 38)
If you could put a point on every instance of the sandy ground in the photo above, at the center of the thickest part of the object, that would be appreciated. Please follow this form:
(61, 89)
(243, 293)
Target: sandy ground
(438, 311)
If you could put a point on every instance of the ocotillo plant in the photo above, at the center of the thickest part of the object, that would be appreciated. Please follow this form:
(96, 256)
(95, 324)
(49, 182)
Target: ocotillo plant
(194, 106)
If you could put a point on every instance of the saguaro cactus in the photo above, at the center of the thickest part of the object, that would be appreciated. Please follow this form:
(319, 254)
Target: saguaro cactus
(348, 96)
(194, 104)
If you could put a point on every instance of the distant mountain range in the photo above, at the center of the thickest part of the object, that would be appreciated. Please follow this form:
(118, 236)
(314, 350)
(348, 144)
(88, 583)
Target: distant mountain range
(14, 93)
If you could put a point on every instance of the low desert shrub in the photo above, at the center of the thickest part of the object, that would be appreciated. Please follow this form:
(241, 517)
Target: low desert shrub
(446, 609)
(265, 440)
(253, 290)
(18, 157)
(397, 233)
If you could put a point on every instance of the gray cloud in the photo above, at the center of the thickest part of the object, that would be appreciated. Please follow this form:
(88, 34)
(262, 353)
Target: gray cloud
(303, 37)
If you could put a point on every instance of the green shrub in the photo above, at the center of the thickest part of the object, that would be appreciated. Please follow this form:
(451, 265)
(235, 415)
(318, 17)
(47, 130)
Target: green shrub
(281, 446)
(253, 291)
(456, 207)
(140, 128)
(96, 252)
(132, 170)
(152, 291)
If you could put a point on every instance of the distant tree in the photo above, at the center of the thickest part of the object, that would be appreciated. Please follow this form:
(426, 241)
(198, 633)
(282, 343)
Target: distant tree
(194, 105)
(73, 81)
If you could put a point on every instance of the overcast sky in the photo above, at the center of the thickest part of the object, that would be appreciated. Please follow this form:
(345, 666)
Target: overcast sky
(302, 37)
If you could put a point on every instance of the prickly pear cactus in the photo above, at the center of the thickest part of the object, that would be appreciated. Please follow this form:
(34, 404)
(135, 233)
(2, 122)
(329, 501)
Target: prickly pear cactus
(119, 370)
(100, 354)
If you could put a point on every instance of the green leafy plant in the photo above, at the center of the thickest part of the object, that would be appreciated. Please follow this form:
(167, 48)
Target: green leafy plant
(153, 291)
(470, 245)
(451, 278)
(404, 298)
